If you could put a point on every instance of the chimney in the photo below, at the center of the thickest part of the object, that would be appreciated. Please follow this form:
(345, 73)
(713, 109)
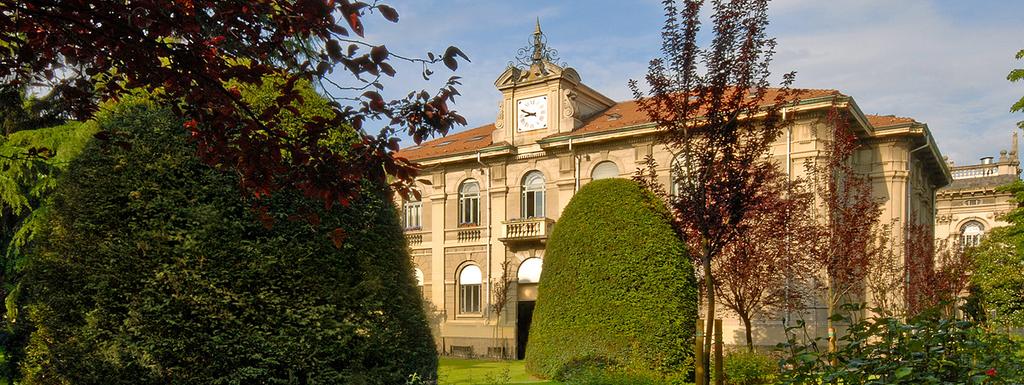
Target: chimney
(986, 160)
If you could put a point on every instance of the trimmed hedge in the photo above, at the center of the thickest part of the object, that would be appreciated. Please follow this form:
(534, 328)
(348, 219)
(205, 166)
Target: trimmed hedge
(155, 270)
(617, 288)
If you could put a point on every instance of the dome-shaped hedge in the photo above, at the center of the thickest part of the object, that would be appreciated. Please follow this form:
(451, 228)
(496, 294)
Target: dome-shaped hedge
(154, 270)
(617, 287)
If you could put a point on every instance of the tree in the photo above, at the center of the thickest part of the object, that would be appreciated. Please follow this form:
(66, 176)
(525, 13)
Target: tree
(26, 182)
(848, 214)
(998, 261)
(502, 288)
(766, 267)
(190, 52)
(617, 287)
(153, 269)
(721, 123)
(1016, 75)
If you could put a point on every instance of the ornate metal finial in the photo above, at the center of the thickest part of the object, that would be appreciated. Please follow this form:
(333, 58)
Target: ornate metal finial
(534, 55)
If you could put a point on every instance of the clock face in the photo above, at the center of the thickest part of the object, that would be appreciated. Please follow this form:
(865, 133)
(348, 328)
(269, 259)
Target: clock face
(532, 113)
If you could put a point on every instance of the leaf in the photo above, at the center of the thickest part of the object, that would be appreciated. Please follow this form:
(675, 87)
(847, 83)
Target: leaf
(353, 22)
(337, 237)
(902, 372)
(379, 53)
(450, 63)
(454, 51)
(334, 49)
(387, 69)
(389, 13)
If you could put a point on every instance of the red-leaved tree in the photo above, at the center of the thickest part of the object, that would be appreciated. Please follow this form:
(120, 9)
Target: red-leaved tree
(766, 268)
(714, 108)
(938, 272)
(848, 216)
(187, 52)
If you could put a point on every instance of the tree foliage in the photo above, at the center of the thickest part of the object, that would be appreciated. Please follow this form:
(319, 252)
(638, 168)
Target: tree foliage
(154, 269)
(998, 261)
(767, 268)
(617, 286)
(190, 53)
(26, 182)
(848, 237)
(708, 119)
(1016, 75)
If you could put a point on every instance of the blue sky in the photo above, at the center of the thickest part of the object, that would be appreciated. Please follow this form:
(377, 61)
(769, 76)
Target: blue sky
(941, 62)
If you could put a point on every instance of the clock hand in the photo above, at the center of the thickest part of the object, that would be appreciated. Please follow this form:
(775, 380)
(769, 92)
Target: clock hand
(528, 113)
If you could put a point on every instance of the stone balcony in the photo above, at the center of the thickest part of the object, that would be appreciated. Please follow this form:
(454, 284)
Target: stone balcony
(530, 229)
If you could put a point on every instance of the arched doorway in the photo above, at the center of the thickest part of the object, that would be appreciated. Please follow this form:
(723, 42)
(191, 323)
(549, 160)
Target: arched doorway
(529, 277)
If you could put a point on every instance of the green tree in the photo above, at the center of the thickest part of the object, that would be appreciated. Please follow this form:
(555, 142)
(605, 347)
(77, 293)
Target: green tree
(617, 288)
(25, 183)
(999, 259)
(1016, 75)
(153, 268)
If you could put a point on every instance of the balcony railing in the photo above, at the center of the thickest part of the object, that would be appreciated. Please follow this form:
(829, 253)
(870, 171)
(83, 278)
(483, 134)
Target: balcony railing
(465, 234)
(526, 229)
(416, 237)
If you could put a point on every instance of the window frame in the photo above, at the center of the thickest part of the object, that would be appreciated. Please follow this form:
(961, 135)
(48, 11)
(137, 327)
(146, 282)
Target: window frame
(470, 294)
(469, 203)
(533, 200)
(412, 215)
(598, 168)
(971, 240)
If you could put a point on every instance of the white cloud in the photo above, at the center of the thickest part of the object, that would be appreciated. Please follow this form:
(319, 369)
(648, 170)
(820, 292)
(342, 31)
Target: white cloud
(942, 63)
(908, 58)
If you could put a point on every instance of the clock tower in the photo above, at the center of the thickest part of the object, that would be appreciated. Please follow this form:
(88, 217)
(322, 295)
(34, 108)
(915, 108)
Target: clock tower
(541, 98)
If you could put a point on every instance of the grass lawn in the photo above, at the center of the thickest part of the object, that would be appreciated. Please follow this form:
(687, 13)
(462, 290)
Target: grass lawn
(457, 371)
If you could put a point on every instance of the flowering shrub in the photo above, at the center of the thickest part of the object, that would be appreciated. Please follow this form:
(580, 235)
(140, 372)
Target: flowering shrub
(924, 350)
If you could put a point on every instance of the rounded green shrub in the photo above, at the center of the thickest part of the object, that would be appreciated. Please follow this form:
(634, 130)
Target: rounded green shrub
(154, 269)
(617, 288)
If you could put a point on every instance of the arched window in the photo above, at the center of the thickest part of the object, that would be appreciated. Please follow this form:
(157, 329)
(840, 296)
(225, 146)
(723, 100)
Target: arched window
(970, 233)
(419, 276)
(605, 170)
(470, 280)
(677, 173)
(529, 270)
(533, 195)
(469, 203)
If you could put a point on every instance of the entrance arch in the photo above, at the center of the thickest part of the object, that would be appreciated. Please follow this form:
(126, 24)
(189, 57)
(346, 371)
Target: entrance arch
(526, 290)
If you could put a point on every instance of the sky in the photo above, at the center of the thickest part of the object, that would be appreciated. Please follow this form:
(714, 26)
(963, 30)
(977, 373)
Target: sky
(941, 62)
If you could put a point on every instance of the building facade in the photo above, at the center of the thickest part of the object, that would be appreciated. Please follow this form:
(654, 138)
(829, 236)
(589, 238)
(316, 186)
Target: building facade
(497, 191)
(970, 206)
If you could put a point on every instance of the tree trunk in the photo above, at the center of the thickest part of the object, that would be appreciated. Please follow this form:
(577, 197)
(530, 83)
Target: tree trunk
(749, 334)
(709, 328)
(831, 328)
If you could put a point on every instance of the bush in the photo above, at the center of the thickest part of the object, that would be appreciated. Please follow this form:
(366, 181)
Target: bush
(154, 270)
(925, 350)
(749, 368)
(617, 287)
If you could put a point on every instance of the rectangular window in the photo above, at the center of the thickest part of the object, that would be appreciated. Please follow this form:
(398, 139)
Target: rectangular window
(469, 298)
(533, 204)
(413, 215)
(470, 211)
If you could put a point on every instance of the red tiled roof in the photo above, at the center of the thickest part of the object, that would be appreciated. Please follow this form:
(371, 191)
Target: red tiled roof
(628, 113)
(887, 120)
(621, 115)
(462, 142)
